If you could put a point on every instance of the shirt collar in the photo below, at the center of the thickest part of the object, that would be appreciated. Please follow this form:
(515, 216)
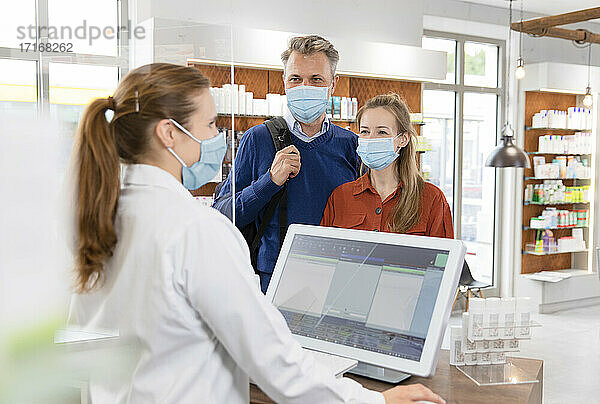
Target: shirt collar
(144, 174)
(296, 129)
(364, 183)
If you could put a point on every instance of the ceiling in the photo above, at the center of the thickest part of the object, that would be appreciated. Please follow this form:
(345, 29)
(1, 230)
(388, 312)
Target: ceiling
(547, 7)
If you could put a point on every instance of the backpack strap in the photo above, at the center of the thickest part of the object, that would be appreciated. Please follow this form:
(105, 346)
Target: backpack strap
(281, 139)
(279, 133)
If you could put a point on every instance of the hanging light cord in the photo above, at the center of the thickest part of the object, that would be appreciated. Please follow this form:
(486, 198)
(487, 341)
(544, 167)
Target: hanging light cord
(507, 75)
(521, 34)
(589, 61)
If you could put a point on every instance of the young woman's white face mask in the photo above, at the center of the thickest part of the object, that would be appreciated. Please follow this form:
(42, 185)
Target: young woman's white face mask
(379, 143)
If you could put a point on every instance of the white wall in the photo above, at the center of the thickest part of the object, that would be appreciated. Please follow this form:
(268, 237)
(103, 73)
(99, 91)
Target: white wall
(390, 21)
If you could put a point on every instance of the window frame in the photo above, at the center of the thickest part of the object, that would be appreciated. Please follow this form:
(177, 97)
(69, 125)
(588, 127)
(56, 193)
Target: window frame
(459, 88)
(43, 59)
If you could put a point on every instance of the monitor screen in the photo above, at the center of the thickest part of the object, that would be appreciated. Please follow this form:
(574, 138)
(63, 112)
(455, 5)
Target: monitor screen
(372, 296)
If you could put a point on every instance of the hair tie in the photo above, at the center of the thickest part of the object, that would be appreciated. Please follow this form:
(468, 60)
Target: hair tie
(111, 103)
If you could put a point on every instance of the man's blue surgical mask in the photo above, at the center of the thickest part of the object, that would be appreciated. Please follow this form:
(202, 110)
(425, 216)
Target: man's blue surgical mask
(212, 152)
(377, 154)
(307, 103)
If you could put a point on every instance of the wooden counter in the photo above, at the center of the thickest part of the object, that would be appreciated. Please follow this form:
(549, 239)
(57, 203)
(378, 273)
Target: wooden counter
(455, 387)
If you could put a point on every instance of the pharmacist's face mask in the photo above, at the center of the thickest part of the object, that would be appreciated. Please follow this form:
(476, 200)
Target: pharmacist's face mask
(212, 152)
(307, 103)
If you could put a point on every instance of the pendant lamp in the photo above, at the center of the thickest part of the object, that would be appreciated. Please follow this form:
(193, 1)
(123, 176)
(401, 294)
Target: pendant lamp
(507, 154)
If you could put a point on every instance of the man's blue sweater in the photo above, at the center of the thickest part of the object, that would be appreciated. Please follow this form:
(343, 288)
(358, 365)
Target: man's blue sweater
(327, 162)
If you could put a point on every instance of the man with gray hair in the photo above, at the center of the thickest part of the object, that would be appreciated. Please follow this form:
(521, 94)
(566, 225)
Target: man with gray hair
(321, 155)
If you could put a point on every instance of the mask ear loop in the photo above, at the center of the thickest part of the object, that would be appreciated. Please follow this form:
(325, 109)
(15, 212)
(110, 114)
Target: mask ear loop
(176, 156)
(184, 130)
(401, 147)
(187, 132)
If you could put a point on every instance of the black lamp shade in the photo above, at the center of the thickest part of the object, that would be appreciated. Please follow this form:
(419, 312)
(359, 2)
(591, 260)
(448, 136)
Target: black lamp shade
(507, 155)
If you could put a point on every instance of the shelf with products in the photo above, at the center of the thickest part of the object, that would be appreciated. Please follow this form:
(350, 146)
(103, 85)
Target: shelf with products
(555, 228)
(557, 189)
(527, 252)
(553, 203)
(558, 129)
(268, 83)
(537, 153)
(554, 179)
(273, 116)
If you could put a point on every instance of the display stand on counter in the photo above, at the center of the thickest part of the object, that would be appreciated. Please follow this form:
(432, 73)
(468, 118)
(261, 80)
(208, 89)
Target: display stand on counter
(258, 94)
(492, 329)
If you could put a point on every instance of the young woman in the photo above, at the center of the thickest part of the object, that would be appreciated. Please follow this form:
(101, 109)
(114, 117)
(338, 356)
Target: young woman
(172, 275)
(392, 195)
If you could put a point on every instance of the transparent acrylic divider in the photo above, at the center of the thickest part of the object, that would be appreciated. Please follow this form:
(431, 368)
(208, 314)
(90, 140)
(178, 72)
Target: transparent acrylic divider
(494, 375)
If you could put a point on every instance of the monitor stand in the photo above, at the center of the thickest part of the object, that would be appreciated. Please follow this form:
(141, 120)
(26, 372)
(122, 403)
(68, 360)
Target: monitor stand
(379, 373)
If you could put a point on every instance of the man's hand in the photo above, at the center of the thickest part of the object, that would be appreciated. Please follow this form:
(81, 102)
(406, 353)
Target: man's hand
(286, 165)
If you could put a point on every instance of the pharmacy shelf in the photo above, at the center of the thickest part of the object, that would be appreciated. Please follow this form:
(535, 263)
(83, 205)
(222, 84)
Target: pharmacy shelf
(554, 179)
(558, 129)
(555, 228)
(273, 116)
(554, 253)
(558, 154)
(552, 204)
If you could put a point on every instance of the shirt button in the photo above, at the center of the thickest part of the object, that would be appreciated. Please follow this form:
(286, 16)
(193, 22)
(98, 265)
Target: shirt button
(378, 211)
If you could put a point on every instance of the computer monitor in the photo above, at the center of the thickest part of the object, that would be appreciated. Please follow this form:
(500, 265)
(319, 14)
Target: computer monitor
(383, 299)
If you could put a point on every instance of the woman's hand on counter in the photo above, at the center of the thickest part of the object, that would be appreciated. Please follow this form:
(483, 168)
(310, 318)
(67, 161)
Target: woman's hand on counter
(413, 393)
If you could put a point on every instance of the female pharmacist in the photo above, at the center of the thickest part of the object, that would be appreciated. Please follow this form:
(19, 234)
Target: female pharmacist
(392, 195)
(171, 274)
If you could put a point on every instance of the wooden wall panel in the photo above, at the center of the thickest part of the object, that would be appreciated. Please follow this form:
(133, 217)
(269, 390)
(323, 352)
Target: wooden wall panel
(218, 75)
(538, 100)
(364, 89)
(536, 263)
(342, 89)
(276, 82)
(255, 80)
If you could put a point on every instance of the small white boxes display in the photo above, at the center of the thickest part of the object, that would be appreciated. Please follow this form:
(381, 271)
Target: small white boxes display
(491, 328)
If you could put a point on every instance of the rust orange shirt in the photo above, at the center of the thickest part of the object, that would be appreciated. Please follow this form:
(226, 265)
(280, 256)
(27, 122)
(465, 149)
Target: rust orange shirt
(357, 205)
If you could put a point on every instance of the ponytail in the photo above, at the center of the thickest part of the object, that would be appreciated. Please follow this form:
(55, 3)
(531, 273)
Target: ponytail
(98, 190)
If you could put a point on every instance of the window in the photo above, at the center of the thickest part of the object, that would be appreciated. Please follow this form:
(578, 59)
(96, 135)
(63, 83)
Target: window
(14, 23)
(448, 46)
(96, 21)
(461, 115)
(58, 84)
(33, 81)
(478, 183)
(438, 164)
(71, 90)
(481, 65)
(18, 89)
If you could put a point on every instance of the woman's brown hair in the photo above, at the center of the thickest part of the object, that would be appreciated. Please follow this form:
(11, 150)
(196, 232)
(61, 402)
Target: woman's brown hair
(407, 212)
(143, 97)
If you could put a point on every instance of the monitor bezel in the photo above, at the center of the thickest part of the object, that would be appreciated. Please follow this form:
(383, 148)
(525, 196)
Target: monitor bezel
(439, 320)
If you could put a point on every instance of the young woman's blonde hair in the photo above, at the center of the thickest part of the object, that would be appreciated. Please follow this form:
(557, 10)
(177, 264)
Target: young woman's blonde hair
(407, 212)
(144, 97)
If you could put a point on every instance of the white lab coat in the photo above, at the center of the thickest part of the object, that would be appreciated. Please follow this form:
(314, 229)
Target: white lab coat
(181, 283)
